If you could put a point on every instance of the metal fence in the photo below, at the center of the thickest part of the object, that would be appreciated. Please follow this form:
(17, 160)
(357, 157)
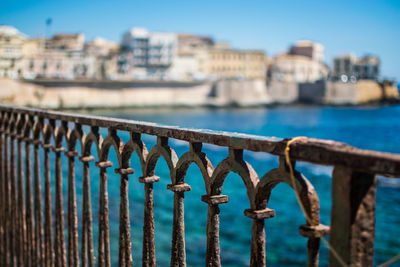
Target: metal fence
(27, 238)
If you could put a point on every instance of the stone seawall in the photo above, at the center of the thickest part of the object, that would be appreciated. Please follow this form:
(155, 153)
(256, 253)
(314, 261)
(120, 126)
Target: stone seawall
(75, 94)
(111, 94)
(361, 92)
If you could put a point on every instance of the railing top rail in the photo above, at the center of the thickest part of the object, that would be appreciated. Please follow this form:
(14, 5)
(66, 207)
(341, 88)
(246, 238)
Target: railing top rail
(307, 149)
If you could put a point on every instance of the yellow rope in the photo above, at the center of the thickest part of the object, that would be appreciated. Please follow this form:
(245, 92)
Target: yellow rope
(334, 252)
(308, 219)
(392, 260)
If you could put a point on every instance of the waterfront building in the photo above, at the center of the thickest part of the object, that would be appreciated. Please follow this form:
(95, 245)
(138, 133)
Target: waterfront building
(186, 64)
(58, 64)
(61, 57)
(296, 69)
(309, 49)
(349, 68)
(302, 63)
(222, 62)
(189, 43)
(11, 48)
(64, 41)
(101, 47)
(67, 56)
(153, 52)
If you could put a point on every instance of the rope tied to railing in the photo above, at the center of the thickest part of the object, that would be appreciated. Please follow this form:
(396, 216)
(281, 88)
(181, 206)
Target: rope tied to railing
(292, 178)
(308, 219)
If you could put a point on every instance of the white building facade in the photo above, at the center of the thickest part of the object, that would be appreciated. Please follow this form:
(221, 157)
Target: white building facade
(11, 51)
(153, 52)
(302, 63)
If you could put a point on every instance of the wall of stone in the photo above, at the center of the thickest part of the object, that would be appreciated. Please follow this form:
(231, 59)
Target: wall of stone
(219, 94)
(362, 92)
(369, 91)
(338, 93)
(241, 93)
(391, 91)
(312, 92)
(283, 92)
(81, 95)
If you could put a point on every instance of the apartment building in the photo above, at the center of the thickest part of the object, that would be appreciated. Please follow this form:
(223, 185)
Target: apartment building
(309, 49)
(153, 52)
(11, 51)
(222, 62)
(297, 69)
(302, 63)
(349, 68)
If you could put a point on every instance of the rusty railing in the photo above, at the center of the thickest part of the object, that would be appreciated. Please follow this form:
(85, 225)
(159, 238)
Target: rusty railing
(29, 239)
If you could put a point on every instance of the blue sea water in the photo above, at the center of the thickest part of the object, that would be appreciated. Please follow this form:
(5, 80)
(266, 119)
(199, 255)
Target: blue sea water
(375, 128)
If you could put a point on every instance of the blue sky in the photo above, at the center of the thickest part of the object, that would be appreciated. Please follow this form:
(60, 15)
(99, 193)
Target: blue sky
(341, 26)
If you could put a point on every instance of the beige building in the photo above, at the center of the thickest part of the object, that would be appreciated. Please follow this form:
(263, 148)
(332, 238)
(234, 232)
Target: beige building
(302, 63)
(11, 51)
(101, 47)
(188, 43)
(309, 49)
(297, 69)
(232, 64)
(32, 47)
(67, 41)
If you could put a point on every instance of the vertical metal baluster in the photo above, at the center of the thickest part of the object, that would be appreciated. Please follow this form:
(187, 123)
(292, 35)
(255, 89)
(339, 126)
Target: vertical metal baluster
(178, 257)
(38, 206)
(61, 259)
(352, 231)
(125, 247)
(73, 249)
(213, 257)
(7, 202)
(149, 251)
(30, 234)
(257, 254)
(21, 210)
(148, 227)
(13, 199)
(3, 203)
(104, 231)
(87, 232)
(257, 257)
(49, 252)
(3, 255)
(2, 227)
(213, 250)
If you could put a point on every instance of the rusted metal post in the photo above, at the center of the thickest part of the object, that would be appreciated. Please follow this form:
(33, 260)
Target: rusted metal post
(13, 198)
(178, 257)
(104, 227)
(21, 206)
(30, 234)
(4, 248)
(60, 259)
(257, 255)
(49, 251)
(87, 232)
(73, 249)
(313, 233)
(353, 217)
(39, 248)
(149, 251)
(2, 204)
(213, 257)
(7, 201)
(125, 247)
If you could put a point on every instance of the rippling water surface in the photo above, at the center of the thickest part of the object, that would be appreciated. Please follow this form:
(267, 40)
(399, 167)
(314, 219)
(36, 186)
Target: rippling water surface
(374, 128)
